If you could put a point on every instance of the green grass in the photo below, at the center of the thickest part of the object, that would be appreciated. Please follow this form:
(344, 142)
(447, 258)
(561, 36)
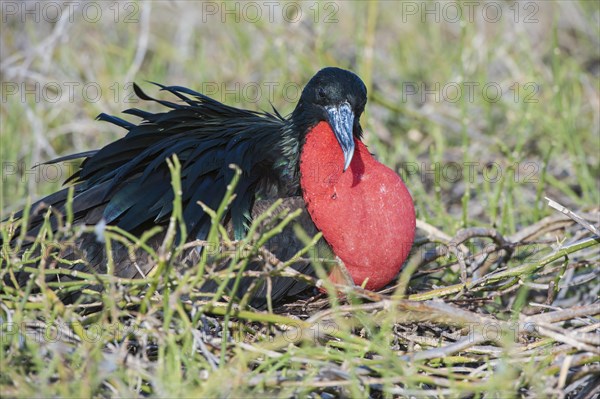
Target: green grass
(540, 138)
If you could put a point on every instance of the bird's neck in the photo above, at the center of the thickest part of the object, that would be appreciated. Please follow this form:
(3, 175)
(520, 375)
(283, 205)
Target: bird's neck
(366, 213)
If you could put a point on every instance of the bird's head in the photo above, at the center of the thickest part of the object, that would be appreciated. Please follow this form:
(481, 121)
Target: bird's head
(337, 97)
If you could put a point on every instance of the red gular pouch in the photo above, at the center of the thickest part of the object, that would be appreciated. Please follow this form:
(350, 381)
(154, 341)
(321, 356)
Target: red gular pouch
(365, 213)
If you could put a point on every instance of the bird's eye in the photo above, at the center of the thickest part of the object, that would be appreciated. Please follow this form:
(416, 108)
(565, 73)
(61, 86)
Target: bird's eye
(321, 93)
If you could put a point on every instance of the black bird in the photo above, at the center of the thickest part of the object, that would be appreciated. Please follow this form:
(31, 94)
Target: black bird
(127, 183)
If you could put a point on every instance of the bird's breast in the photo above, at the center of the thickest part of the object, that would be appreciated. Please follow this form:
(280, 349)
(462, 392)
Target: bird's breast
(366, 213)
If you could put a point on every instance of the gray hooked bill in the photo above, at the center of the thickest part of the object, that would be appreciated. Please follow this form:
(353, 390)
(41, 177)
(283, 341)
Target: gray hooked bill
(341, 119)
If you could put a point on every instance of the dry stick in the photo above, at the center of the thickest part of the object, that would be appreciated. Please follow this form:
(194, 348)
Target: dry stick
(208, 355)
(435, 234)
(467, 234)
(544, 226)
(578, 219)
(454, 244)
(582, 337)
(522, 237)
(567, 314)
(566, 339)
(411, 311)
(513, 272)
(465, 343)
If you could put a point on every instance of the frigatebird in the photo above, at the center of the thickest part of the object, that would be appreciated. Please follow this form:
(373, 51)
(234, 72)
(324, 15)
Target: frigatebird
(314, 158)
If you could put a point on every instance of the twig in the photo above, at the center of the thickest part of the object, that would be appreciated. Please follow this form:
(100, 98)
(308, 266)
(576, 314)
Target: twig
(578, 219)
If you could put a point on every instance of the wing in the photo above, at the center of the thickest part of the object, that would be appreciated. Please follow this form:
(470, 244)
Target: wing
(128, 181)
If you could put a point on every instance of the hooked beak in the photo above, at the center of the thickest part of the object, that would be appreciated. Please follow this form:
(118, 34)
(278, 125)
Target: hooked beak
(341, 119)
